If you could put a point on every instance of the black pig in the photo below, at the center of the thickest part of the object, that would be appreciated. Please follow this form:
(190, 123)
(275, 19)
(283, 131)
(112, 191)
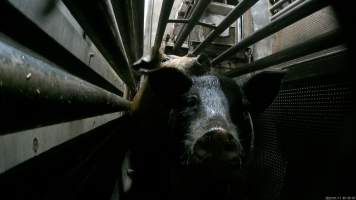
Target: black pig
(193, 130)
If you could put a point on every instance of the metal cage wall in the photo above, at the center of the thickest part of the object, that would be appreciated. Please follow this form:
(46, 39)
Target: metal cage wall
(66, 80)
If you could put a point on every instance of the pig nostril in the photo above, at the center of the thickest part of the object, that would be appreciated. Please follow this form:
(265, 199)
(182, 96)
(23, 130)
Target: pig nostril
(201, 147)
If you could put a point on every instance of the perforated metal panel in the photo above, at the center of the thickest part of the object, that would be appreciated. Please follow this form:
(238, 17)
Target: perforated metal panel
(318, 23)
(298, 136)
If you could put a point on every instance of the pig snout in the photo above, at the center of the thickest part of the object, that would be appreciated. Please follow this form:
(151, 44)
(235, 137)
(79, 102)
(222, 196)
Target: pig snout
(218, 145)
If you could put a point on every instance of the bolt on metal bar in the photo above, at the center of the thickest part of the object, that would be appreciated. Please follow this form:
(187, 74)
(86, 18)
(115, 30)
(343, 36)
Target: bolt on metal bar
(194, 18)
(299, 12)
(318, 43)
(35, 93)
(162, 23)
(184, 21)
(237, 12)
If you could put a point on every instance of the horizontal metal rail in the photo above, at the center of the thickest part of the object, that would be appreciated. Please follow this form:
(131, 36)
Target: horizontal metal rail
(57, 47)
(35, 93)
(299, 12)
(278, 4)
(162, 23)
(48, 137)
(321, 42)
(285, 9)
(237, 12)
(193, 20)
(184, 21)
(98, 22)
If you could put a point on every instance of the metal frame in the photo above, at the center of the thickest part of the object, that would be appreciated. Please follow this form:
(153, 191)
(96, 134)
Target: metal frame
(162, 23)
(285, 9)
(35, 89)
(291, 16)
(321, 42)
(193, 20)
(277, 4)
(53, 78)
(237, 12)
(185, 21)
(98, 22)
(70, 51)
(128, 18)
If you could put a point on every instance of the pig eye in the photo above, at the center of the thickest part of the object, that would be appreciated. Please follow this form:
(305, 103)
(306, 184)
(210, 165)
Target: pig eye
(191, 101)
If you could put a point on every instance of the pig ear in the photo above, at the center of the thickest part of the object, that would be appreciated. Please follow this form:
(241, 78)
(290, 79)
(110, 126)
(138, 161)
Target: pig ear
(202, 65)
(148, 62)
(261, 89)
(168, 83)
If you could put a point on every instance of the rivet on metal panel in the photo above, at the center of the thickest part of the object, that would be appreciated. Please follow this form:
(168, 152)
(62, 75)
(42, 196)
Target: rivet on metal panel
(35, 145)
(91, 55)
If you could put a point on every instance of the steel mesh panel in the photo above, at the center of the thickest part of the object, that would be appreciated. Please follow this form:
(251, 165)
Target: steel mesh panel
(304, 121)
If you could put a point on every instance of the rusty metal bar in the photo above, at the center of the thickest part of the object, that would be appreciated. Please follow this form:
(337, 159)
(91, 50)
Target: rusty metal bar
(237, 12)
(193, 20)
(34, 92)
(162, 23)
(299, 12)
(324, 41)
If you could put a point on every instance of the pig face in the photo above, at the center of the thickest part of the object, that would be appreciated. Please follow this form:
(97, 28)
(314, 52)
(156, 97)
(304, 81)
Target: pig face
(212, 125)
(209, 121)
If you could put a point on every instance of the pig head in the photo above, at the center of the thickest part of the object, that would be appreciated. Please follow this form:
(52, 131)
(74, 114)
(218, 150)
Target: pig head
(194, 127)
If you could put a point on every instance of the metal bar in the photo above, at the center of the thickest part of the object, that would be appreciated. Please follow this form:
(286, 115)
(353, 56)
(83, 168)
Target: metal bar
(96, 20)
(162, 23)
(148, 26)
(124, 21)
(194, 18)
(35, 93)
(48, 137)
(184, 21)
(138, 16)
(177, 21)
(321, 42)
(279, 3)
(60, 25)
(285, 9)
(51, 42)
(301, 11)
(129, 16)
(237, 12)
